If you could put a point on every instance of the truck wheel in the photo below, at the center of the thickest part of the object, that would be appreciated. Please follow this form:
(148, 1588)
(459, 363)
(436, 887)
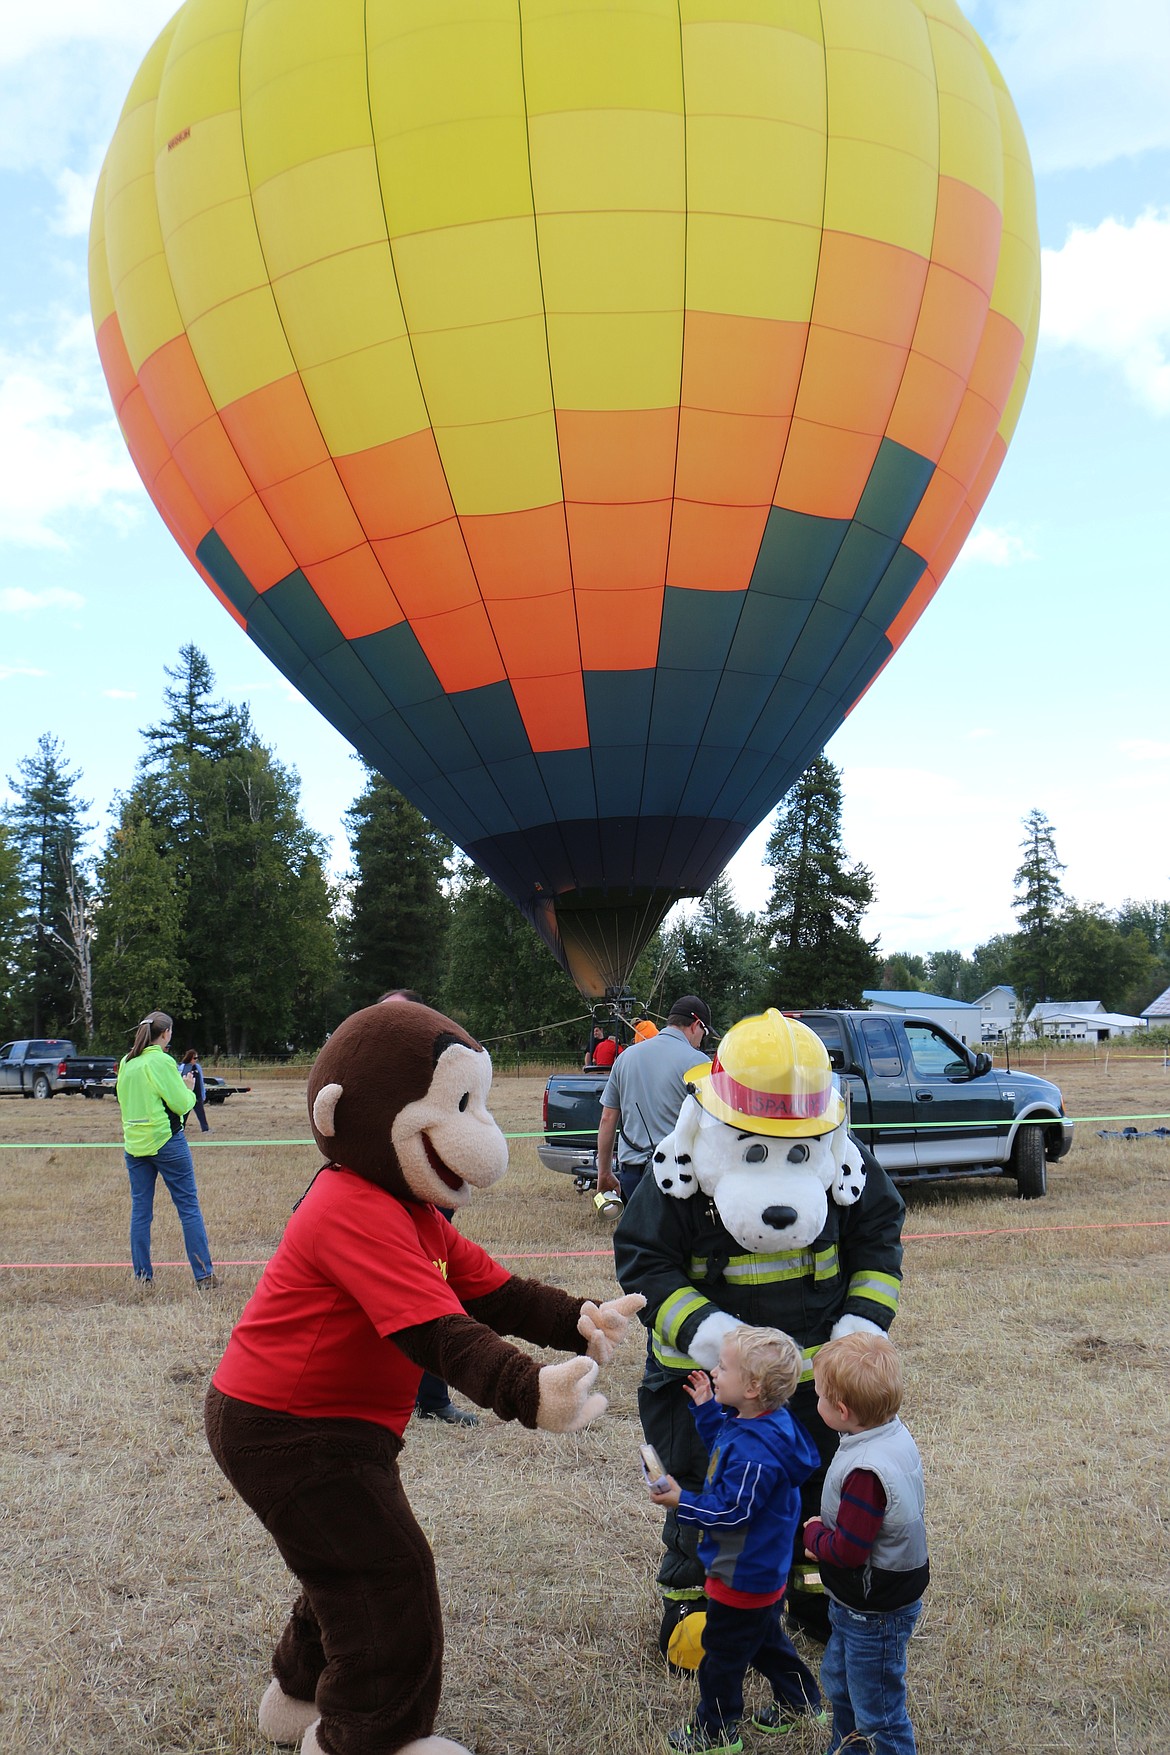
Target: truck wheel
(42, 1087)
(1028, 1165)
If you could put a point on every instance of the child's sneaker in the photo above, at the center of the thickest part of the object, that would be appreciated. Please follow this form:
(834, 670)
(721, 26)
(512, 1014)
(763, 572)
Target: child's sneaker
(781, 1717)
(696, 1739)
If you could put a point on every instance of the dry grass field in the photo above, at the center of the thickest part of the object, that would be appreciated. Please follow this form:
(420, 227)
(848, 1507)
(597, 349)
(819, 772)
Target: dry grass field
(140, 1600)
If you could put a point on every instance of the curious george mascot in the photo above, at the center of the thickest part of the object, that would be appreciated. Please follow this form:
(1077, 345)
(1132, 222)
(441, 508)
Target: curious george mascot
(761, 1209)
(369, 1287)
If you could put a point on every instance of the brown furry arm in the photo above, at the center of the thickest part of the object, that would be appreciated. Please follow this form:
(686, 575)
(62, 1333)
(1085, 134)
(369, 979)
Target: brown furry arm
(531, 1311)
(478, 1363)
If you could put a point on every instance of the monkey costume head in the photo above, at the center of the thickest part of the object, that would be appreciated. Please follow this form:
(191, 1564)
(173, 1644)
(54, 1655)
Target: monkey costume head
(399, 1095)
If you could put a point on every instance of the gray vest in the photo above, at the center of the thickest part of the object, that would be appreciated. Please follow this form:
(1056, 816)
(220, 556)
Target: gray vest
(891, 1454)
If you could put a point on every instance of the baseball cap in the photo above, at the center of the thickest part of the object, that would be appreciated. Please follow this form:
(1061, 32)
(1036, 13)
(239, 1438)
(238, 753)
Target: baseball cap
(690, 1007)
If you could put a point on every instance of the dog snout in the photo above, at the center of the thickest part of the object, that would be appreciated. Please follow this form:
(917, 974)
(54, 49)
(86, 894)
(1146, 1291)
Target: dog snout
(779, 1218)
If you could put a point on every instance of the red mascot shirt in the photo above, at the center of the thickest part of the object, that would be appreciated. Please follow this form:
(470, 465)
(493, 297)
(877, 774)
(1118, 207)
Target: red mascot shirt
(354, 1266)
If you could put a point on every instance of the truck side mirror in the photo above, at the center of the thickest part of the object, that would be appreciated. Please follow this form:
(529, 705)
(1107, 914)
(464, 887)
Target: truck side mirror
(982, 1064)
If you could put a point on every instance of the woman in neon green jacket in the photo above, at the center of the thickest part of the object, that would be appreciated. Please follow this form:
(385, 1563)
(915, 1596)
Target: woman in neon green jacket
(154, 1100)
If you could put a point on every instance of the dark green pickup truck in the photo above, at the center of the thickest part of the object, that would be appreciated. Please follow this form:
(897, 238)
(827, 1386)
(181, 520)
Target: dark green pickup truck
(931, 1109)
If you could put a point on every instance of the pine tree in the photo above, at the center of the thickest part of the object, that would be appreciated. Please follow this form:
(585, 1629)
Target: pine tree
(395, 929)
(11, 912)
(139, 957)
(1039, 898)
(817, 954)
(718, 955)
(46, 823)
(501, 981)
(258, 944)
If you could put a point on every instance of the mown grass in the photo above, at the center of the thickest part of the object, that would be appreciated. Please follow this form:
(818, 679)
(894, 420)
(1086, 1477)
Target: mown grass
(139, 1600)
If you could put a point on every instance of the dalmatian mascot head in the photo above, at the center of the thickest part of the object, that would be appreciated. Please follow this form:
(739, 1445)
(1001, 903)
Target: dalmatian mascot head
(763, 1133)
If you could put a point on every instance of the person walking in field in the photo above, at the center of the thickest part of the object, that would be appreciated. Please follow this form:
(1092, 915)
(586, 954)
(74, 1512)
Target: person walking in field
(192, 1074)
(154, 1099)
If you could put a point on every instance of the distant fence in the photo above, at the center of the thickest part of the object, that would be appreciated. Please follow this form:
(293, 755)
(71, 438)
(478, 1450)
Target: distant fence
(1044, 1055)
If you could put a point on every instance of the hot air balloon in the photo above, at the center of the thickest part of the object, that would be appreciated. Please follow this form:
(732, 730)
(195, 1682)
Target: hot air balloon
(577, 400)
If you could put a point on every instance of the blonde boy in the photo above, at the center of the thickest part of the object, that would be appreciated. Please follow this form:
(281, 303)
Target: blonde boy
(870, 1540)
(748, 1513)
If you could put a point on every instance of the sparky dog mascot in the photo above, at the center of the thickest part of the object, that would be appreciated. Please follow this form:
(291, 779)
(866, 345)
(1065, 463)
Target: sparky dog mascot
(369, 1286)
(761, 1210)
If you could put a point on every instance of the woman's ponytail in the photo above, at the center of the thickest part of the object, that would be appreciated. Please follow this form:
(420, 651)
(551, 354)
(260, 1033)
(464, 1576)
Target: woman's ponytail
(151, 1029)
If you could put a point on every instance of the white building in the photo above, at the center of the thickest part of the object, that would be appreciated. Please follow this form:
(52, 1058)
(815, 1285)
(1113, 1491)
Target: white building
(1000, 1010)
(1157, 1014)
(961, 1020)
(1079, 1020)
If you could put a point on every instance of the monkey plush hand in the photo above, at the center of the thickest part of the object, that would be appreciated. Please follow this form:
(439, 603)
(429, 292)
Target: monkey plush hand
(604, 1325)
(566, 1403)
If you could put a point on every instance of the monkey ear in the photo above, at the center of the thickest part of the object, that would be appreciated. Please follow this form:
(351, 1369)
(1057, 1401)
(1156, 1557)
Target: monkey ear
(324, 1107)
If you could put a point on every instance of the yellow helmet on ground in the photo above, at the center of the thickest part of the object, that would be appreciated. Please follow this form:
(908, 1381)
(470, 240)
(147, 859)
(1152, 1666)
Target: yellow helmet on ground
(771, 1074)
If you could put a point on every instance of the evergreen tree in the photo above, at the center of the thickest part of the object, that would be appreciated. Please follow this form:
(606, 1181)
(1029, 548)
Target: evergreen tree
(719, 955)
(1039, 897)
(258, 943)
(11, 913)
(139, 956)
(46, 823)
(817, 954)
(501, 980)
(395, 931)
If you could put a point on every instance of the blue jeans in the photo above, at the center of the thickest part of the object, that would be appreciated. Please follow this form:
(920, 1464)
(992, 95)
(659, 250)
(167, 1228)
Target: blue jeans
(173, 1163)
(863, 1674)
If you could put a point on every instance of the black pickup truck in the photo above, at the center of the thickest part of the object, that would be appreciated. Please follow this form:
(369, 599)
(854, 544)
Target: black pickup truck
(46, 1066)
(930, 1109)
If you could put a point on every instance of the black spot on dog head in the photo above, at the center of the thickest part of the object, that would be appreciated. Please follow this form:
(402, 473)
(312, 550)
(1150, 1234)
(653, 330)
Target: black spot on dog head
(668, 1182)
(660, 1157)
(684, 1159)
(686, 1179)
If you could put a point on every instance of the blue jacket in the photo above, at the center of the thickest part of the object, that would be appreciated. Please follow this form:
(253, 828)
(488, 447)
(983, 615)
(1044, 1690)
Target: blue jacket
(749, 1508)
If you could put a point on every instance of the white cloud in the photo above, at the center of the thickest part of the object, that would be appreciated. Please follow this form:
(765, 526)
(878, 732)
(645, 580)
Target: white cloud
(61, 453)
(1107, 292)
(120, 694)
(1089, 80)
(994, 546)
(8, 671)
(55, 23)
(17, 600)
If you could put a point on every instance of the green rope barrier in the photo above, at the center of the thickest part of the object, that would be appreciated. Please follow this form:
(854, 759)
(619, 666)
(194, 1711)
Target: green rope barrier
(590, 1133)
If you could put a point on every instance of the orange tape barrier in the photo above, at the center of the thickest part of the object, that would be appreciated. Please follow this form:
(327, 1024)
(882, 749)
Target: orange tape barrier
(582, 1254)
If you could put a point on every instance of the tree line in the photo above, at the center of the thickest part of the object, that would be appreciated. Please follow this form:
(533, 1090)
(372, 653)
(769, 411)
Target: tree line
(210, 897)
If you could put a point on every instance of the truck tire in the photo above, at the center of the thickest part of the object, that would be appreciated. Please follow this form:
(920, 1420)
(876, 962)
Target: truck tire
(1028, 1164)
(41, 1087)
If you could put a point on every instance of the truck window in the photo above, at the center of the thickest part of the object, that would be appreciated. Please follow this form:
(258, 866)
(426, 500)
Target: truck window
(829, 1031)
(882, 1047)
(933, 1055)
(47, 1049)
(6, 1051)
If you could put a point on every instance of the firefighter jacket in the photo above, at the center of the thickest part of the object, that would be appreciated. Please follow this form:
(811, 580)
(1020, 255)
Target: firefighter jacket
(688, 1265)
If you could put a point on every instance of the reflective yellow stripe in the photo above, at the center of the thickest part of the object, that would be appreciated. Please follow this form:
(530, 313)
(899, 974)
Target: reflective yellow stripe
(881, 1289)
(768, 1270)
(675, 1310)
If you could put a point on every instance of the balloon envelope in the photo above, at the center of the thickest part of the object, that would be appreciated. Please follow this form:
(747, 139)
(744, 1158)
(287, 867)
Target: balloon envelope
(579, 403)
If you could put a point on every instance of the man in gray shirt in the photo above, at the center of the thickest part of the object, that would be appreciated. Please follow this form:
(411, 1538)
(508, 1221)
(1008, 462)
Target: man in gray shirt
(644, 1093)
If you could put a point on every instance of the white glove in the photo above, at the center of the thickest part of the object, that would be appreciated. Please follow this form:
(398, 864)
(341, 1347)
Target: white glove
(709, 1337)
(854, 1325)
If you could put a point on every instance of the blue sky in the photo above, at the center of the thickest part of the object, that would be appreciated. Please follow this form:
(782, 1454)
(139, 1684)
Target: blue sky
(1037, 678)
